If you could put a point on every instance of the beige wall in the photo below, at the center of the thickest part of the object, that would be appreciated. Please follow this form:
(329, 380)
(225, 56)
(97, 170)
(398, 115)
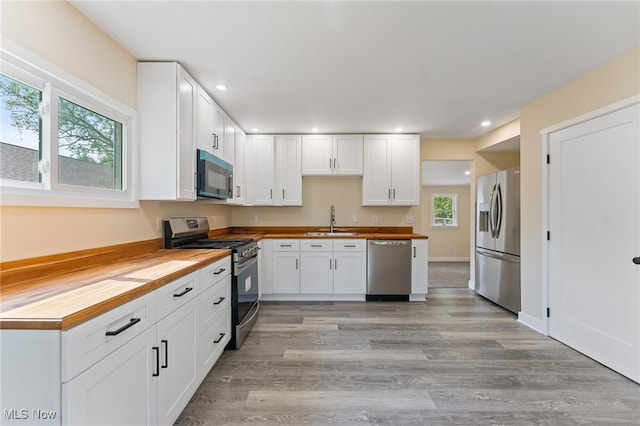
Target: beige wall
(318, 195)
(60, 35)
(448, 243)
(607, 84)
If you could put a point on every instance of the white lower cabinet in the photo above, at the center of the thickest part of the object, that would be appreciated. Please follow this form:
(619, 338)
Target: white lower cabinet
(317, 269)
(286, 266)
(177, 379)
(119, 390)
(419, 269)
(137, 364)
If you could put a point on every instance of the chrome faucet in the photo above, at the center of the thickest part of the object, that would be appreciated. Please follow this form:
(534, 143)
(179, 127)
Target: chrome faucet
(333, 219)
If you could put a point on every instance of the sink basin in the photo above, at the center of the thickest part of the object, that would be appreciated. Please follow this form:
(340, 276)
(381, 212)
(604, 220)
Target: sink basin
(331, 234)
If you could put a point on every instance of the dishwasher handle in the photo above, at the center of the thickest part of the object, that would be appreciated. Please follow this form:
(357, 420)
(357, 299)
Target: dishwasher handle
(389, 242)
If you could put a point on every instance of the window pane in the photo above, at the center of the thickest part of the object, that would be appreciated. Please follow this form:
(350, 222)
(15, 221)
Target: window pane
(89, 148)
(20, 130)
(443, 209)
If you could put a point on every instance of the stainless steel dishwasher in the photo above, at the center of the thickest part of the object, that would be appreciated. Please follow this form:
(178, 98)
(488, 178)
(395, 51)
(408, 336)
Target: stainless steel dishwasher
(388, 269)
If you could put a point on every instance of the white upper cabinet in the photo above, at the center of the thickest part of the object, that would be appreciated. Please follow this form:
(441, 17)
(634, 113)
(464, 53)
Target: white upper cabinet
(167, 102)
(288, 168)
(239, 179)
(326, 155)
(205, 134)
(275, 174)
(220, 132)
(391, 170)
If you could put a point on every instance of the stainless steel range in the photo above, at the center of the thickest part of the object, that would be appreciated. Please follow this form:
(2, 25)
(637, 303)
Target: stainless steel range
(192, 233)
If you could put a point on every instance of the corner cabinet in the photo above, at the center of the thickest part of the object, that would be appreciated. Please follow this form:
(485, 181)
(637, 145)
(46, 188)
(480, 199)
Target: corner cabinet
(167, 105)
(391, 170)
(332, 155)
(275, 174)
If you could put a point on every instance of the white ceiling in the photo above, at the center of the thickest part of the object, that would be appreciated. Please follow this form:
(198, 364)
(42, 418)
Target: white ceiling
(446, 173)
(434, 68)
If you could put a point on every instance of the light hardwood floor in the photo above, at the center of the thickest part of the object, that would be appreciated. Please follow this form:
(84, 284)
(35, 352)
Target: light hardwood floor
(455, 359)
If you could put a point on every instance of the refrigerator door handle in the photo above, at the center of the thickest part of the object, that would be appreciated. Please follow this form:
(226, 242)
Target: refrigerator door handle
(491, 210)
(499, 213)
(499, 256)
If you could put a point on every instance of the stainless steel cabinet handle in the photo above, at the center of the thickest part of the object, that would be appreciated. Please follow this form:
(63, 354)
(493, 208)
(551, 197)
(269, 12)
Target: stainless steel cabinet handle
(296, 263)
(394, 193)
(336, 264)
(329, 264)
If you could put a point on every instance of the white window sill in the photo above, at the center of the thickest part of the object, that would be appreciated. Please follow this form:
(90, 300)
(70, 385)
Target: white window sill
(444, 227)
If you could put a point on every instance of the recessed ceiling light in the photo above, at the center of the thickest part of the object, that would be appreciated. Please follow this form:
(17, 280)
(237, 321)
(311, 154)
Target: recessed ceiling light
(221, 87)
(485, 123)
(467, 172)
(398, 129)
(255, 129)
(315, 129)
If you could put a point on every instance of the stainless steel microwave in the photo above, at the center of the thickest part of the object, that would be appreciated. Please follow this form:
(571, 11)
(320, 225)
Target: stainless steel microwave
(215, 176)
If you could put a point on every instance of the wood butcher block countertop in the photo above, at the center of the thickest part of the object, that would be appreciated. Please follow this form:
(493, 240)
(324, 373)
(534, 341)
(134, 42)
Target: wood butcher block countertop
(60, 291)
(58, 301)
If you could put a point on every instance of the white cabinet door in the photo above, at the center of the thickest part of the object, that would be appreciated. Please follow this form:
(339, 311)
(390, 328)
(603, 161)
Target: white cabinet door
(419, 267)
(391, 170)
(288, 166)
(204, 122)
(316, 272)
(261, 170)
(405, 170)
(178, 379)
(350, 273)
(286, 272)
(317, 155)
(376, 181)
(220, 132)
(167, 102)
(239, 190)
(348, 154)
(121, 389)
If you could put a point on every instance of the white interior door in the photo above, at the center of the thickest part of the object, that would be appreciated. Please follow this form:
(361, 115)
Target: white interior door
(594, 221)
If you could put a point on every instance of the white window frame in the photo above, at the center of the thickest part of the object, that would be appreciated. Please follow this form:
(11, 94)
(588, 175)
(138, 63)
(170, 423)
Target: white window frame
(454, 203)
(55, 82)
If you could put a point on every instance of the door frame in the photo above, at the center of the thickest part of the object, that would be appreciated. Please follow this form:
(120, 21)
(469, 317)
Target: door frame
(543, 325)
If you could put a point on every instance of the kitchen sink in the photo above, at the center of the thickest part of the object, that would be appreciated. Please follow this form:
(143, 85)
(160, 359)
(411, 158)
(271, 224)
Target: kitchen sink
(331, 234)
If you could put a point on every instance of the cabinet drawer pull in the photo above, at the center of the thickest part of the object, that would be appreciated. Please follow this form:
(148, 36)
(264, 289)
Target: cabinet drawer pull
(316, 245)
(166, 353)
(186, 290)
(286, 245)
(219, 338)
(156, 349)
(219, 301)
(131, 323)
(220, 271)
(350, 246)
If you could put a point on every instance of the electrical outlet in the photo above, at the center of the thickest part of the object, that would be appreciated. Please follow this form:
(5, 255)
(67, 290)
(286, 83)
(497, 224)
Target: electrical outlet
(354, 218)
(254, 218)
(409, 219)
(374, 219)
(158, 223)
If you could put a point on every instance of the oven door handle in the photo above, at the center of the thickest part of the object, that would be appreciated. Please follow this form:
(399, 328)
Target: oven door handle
(240, 267)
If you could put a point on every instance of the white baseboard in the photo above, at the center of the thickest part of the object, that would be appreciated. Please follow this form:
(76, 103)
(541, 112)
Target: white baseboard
(532, 322)
(449, 259)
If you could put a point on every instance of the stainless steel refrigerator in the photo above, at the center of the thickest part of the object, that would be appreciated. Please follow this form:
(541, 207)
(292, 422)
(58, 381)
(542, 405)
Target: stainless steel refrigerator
(498, 238)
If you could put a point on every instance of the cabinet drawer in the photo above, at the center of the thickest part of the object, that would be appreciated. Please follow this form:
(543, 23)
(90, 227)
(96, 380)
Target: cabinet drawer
(316, 245)
(89, 342)
(214, 273)
(175, 294)
(350, 245)
(213, 341)
(286, 245)
(213, 301)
